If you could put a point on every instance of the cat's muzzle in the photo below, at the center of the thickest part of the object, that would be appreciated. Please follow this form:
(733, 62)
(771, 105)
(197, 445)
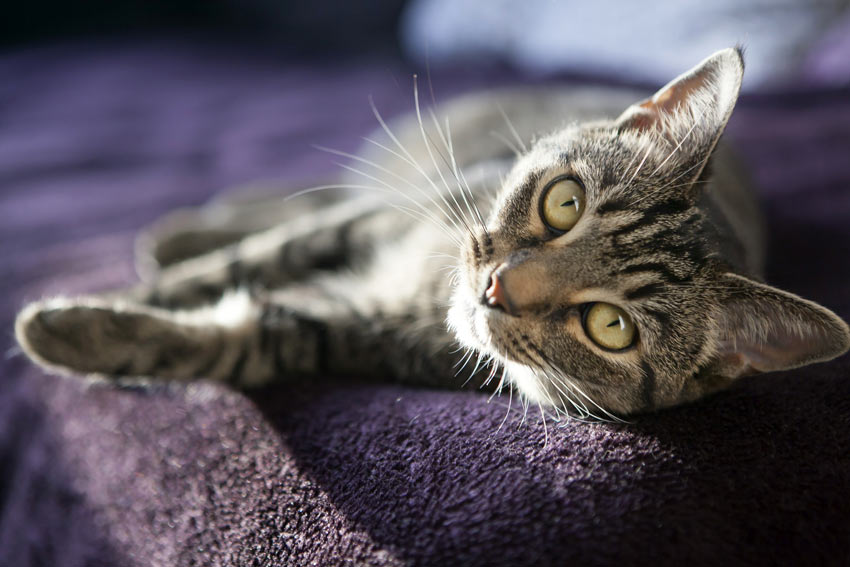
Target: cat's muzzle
(496, 295)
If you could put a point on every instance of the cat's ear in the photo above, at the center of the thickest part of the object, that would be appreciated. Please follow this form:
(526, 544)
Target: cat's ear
(696, 104)
(762, 329)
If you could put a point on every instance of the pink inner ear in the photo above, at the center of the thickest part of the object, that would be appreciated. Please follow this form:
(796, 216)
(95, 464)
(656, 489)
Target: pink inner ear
(781, 338)
(746, 359)
(765, 329)
(783, 348)
(702, 97)
(641, 117)
(667, 99)
(777, 353)
(646, 114)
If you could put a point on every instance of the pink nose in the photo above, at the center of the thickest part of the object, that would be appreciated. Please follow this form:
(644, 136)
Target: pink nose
(496, 295)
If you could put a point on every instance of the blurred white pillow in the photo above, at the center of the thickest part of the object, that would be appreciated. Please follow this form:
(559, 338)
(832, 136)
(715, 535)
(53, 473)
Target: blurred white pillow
(651, 40)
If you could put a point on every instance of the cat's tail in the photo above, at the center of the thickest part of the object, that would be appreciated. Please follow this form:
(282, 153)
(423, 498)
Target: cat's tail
(238, 340)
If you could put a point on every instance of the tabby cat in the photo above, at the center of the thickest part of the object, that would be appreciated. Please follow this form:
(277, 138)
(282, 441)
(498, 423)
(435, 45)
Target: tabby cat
(612, 267)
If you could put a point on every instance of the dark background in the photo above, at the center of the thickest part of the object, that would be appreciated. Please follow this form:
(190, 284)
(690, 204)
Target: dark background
(303, 26)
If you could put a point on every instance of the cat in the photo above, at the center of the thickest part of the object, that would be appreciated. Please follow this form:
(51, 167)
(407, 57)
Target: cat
(613, 267)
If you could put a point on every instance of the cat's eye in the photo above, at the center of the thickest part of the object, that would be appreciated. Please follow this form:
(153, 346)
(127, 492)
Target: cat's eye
(562, 204)
(609, 326)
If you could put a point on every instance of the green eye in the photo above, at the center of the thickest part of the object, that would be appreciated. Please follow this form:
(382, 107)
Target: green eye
(609, 326)
(563, 204)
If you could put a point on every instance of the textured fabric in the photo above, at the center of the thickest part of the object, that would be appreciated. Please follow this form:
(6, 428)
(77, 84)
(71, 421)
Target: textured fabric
(98, 140)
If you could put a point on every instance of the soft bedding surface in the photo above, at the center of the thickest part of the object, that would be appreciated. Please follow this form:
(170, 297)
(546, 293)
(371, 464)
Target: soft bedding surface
(98, 139)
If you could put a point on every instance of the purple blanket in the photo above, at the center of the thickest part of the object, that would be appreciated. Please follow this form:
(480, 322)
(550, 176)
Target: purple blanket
(98, 140)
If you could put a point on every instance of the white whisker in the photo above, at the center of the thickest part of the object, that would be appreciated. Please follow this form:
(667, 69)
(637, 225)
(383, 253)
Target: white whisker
(500, 385)
(415, 214)
(393, 189)
(410, 159)
(428, 147)
(679, 145)
(457, 172)
(640, 165)
(384, 183)
(525, 404)
(511, 128)
(545, 429)
(502, 138)
(507, 413)
(465, 361)
(462, 179)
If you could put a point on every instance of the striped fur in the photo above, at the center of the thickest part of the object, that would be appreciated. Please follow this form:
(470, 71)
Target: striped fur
(365, 285)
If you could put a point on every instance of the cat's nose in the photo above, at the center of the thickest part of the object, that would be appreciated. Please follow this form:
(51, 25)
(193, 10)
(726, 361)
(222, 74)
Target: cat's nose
(496, 296)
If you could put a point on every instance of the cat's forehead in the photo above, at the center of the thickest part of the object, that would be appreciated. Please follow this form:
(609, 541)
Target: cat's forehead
(575, 143)
(607, 160)
(566, 150)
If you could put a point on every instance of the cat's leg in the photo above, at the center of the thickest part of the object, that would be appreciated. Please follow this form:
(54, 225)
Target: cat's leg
(241, 340)
(92, 336)
(326, 239)
(186, 233)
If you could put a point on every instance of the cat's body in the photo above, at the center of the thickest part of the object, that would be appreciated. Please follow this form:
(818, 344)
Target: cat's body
(364, 284)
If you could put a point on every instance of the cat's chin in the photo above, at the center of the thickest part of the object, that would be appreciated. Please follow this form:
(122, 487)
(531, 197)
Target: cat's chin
(471, 325)
(474, 326)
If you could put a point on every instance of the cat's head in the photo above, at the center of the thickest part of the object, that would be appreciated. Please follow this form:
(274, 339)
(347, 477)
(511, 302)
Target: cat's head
(599, 281)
